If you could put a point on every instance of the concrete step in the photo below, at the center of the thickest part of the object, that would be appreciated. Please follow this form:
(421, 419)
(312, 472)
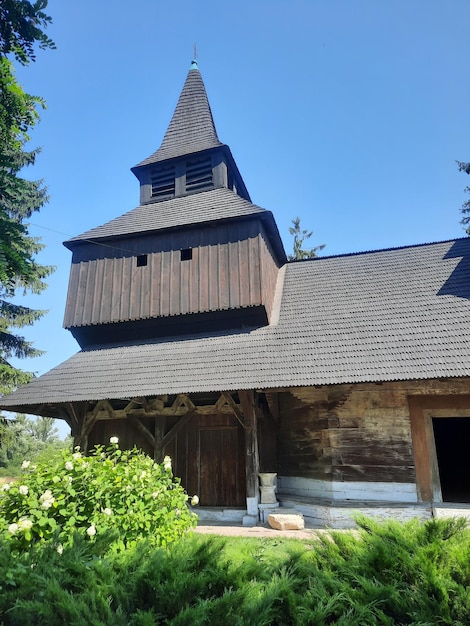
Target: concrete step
(340, 513)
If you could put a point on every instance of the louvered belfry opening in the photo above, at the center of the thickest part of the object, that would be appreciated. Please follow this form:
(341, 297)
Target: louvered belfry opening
(162, 182)
(199, 174)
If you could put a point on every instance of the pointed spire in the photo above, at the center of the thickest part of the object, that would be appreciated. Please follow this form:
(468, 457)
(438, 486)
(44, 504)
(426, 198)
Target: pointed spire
(192, 127)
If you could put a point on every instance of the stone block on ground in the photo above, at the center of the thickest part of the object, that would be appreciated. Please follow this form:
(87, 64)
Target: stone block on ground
(286, 520)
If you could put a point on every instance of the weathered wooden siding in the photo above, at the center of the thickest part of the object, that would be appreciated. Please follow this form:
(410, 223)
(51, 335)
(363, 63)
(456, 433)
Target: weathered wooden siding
(347, 433)
(231, 267)
(353, 432)
(302, 430)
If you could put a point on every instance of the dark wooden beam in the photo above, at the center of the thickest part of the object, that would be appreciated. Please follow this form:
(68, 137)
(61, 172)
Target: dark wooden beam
(273, 404)
(135, 421)
(159, 447)
(268, 429)
(248, 406)
(174, 430)
(77, 412)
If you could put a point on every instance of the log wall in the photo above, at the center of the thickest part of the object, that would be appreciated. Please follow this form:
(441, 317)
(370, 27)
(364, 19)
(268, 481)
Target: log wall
(352, 433)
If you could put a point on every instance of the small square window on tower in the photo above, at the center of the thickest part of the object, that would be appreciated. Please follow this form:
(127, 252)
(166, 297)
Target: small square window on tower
(187, 254)
(142, 260)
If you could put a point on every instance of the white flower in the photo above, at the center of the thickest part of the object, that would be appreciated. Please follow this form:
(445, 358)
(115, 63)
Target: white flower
(107, 511)
(91, 530)
(25, 523)
(6, 487)
(69, 466)
(23, 490)
(114, 440)
(13, 529)
(194, 501)
(47, 499)
(167, 463)
(76, 456)
(60, 548)
(143, 474)
(25, 464)
(46, 495)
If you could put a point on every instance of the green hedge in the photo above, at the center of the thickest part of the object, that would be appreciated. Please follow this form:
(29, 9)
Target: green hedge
(385, 574)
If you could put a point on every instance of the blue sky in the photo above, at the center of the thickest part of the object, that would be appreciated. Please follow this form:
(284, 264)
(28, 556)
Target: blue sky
(349, 114)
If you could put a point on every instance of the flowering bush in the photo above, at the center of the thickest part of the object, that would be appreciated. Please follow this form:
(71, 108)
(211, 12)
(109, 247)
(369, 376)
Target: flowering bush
(111, 489)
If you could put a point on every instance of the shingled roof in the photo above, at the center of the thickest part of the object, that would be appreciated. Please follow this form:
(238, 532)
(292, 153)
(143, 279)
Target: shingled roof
(206, 206)
(192, 127)
(397, 314)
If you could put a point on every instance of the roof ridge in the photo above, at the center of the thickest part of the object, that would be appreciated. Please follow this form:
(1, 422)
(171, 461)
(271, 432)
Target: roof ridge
(377, 250)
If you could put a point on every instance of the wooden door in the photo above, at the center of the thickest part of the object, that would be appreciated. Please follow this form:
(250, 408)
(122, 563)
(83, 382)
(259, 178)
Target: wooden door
(208, 455)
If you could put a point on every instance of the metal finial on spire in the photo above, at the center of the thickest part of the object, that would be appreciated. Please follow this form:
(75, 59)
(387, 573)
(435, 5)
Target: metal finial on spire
(194, 61)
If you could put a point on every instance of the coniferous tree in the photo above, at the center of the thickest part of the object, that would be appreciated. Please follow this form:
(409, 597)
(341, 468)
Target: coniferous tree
(21, 24)
(299, 237)
(465, 167)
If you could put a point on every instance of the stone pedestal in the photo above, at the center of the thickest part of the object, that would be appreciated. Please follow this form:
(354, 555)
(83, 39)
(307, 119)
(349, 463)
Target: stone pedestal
(265, 510)
(268, 487)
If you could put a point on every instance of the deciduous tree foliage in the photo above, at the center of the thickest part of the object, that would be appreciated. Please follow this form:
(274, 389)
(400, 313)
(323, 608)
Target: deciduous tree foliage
(465, 167)
(299, 237)
(21, 24)
(26, 438)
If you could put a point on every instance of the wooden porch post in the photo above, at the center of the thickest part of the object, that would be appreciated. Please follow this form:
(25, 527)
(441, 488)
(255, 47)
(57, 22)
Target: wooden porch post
(247, 402)
(79, 424)
(159, 434)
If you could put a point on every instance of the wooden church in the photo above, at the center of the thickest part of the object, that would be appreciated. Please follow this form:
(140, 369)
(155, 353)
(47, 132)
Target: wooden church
(346, 376)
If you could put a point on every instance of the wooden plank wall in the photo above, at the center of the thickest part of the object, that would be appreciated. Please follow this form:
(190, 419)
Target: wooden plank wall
(128, 436)
(269, 273)
(231, 267)
(207, 455)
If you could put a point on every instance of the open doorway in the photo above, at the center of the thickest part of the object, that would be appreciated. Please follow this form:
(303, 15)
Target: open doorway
(452, 440)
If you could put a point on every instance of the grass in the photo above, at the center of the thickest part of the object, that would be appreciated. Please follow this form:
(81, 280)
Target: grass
(388, 573)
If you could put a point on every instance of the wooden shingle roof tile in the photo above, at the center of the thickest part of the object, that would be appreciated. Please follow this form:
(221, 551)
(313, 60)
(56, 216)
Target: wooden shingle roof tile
(192, 127)
(206, 206)
(398, 314)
